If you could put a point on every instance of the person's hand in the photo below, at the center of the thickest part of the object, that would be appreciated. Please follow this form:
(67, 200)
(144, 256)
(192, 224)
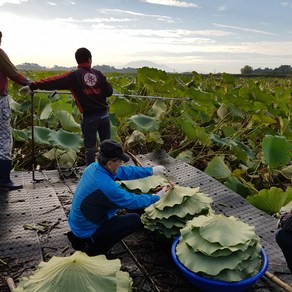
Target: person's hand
(25, 90)
(159, 170)
(163, 191)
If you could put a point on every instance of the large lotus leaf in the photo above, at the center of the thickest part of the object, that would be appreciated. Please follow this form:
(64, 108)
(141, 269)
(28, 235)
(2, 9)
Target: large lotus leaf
(269, 201)
(228, 231)
(145, 185)
(78, 272)
(200, 263)
(41, 135)
(252, 266)
(123, 107)
(66, 140)
(197, 204)
(67, 121)
(276, 150)
(143, 123)
(198, 243)
(175, 196)
(217, 168)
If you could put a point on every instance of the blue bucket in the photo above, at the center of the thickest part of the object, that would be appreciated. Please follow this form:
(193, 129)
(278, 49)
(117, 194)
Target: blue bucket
(211, 285)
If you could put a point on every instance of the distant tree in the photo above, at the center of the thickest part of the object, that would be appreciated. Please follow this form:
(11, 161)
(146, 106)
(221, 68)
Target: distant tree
(246, 70)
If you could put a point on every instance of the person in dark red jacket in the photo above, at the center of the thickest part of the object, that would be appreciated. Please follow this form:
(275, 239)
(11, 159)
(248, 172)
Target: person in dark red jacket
(90, 89)
(7, 70)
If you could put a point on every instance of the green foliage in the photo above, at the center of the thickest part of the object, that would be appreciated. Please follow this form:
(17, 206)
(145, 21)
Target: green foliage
(227, 125)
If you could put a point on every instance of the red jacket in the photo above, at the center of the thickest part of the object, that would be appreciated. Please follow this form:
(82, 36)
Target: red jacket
(89, 88)
(8, 70)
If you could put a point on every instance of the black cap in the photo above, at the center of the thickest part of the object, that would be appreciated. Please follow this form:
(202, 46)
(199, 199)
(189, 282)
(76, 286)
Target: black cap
(111, 149)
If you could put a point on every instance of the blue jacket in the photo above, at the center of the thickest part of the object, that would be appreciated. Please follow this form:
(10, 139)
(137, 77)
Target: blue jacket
(98, 197)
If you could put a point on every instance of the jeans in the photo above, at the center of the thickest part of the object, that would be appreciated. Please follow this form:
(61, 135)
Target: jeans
(5, 129)
(91, 125)
(284, 240)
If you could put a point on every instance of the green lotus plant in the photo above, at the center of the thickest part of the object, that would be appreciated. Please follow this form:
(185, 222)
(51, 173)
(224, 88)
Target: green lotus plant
(78, 272)
(220, 247)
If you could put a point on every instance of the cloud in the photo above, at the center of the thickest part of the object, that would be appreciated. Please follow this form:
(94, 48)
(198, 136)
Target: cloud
(173, 3)
(244, 29)
(133, 13)
(2, 2)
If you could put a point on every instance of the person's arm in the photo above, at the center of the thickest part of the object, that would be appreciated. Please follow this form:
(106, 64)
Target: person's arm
(121, 198)
(59, 82)
(11, 71)
(133, 172)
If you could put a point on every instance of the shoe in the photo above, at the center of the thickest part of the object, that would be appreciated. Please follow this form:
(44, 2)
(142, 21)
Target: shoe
(5, 182)
(77, 243)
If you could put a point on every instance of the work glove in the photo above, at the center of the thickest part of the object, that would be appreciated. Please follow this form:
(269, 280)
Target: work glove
(159, 170)
(162, 192)
(25, 90)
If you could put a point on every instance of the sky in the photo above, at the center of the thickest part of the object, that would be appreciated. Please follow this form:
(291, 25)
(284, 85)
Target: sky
(206, 36)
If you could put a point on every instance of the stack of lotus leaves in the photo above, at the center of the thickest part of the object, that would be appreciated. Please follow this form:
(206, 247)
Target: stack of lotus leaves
(180, 204)
(220, 247)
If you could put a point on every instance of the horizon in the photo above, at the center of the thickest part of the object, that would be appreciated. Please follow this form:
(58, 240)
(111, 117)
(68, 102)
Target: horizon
(182, 35)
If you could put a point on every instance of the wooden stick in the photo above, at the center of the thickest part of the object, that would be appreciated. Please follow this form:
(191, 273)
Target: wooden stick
(278, 281)
(10, 284)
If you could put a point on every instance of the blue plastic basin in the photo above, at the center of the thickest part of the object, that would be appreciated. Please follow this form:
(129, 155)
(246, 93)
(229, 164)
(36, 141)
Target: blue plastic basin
(211, 285)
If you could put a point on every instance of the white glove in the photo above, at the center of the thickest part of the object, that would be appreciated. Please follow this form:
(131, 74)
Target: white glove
(25, 90)
(159, 170)
(162, 192)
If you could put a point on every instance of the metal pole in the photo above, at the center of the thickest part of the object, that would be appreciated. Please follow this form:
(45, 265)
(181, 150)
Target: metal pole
(32, 140)
(52, 92)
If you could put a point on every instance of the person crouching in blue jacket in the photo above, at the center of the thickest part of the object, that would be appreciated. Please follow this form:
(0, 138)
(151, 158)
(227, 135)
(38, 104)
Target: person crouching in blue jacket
(93, 220)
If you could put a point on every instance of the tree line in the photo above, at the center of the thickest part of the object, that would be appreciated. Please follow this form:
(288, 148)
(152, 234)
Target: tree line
(281, 70)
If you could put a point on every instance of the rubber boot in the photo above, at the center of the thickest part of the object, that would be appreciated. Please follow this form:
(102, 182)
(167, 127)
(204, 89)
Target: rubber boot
(5, 181)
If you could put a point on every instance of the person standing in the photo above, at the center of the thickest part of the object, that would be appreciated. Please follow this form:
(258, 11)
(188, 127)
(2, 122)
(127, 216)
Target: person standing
(90, 89)
(95, 225)
(284, 237)
(7, 70)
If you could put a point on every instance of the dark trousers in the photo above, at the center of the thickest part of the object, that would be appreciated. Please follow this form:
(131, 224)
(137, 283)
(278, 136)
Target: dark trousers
(108, 234)
(91, 125)
(284, 240)
(113, 231)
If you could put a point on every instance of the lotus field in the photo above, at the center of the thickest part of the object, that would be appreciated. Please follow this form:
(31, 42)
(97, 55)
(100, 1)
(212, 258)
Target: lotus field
(236, 129)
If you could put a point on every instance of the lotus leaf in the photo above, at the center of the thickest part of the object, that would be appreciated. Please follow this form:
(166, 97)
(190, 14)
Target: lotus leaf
(145, 185)
(270, 200)
(198, 204)
(175, 196)
(228, 231)
(276, 150)
(65, 140)
(78, 272)
(143, 123)
(198, 243)
(199, 262)
(67, 121)
(217, 168)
